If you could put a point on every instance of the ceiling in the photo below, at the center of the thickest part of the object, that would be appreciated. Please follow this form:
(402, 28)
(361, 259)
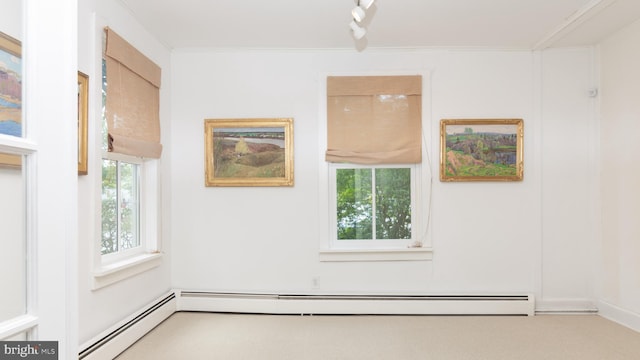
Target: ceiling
(298, 24)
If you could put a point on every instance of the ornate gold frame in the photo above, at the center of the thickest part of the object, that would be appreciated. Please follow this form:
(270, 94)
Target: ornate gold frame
(223, 156)
(469, 161)
(83, 115)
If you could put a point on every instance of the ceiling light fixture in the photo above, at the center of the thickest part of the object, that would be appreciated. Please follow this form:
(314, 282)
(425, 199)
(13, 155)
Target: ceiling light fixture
(358, 32)
(359, 13)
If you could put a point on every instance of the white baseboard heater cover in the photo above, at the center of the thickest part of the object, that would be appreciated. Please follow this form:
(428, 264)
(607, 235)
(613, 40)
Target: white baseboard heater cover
(357, 304)
(112, 342)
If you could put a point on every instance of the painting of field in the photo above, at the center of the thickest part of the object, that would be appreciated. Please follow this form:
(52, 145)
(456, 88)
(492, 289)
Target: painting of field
(249, 152)
(481, 150)
(10, 94)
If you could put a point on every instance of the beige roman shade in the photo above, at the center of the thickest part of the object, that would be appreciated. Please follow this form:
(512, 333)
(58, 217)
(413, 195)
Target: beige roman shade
(374, 119)
(133, 99)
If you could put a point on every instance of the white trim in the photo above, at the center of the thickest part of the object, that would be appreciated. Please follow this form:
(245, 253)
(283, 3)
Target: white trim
(114, 272)
(579, 17)
(566, 306)
(408, 254)
(16, 145)
(536, 144)
(17, 325)
(621, 316)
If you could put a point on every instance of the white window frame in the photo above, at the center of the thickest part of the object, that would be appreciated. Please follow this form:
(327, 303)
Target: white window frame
(419, 248)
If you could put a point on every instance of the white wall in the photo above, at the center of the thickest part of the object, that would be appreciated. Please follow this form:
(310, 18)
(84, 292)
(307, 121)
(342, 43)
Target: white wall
(52, 170)
(487, 237)
(569, 188)
(103, 308)
(619, 281)
(11, 18)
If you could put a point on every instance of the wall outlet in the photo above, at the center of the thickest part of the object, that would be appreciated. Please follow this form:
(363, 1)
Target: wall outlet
(315, 282)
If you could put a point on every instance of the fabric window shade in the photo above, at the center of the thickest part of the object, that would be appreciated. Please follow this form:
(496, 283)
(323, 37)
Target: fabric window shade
(133, 99)
(374, 119)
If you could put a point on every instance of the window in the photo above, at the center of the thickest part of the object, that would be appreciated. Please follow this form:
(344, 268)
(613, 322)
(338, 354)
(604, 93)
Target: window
(120, 206)
(129, 216)
(375, 207)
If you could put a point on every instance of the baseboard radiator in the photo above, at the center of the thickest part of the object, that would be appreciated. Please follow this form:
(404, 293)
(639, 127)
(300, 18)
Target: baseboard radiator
(112, 342)
(356, 304)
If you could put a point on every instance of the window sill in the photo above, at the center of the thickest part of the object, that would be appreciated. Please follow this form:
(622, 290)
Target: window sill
(112, 273)
(408, 254)
(17, 325)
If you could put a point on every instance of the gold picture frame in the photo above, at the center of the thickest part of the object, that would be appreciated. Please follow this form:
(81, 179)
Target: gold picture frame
(249, 152)
(83, 116)
(11, 104)
(481, 150)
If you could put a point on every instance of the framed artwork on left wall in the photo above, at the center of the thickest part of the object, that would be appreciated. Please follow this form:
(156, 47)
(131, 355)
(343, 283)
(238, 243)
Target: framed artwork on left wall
(83, 114)
(10, 94)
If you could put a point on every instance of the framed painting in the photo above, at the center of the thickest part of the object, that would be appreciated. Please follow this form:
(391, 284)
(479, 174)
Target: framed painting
(481, 150)
(83, 114)
(248, 152)
(10, 94)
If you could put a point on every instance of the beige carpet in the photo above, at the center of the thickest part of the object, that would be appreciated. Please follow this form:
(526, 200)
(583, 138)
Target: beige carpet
(191, 336)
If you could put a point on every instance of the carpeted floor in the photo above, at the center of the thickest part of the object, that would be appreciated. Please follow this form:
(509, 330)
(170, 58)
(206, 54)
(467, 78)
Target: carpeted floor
(192, 336)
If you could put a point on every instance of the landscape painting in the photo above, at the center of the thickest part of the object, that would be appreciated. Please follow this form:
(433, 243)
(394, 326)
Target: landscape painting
(10, 93)
(10, 87)
(481, 150)
(83, 116)
(249, 152)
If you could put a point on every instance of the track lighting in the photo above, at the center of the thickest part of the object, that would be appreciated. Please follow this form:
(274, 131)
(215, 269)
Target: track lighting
(359, 14)
(365, 4)
(358, 32)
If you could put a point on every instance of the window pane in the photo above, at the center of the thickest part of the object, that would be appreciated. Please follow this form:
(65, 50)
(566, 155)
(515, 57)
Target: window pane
(13, 268)
(109, 207)
(105, 133)
(393, 203)
(354, 204)
(128, 206)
